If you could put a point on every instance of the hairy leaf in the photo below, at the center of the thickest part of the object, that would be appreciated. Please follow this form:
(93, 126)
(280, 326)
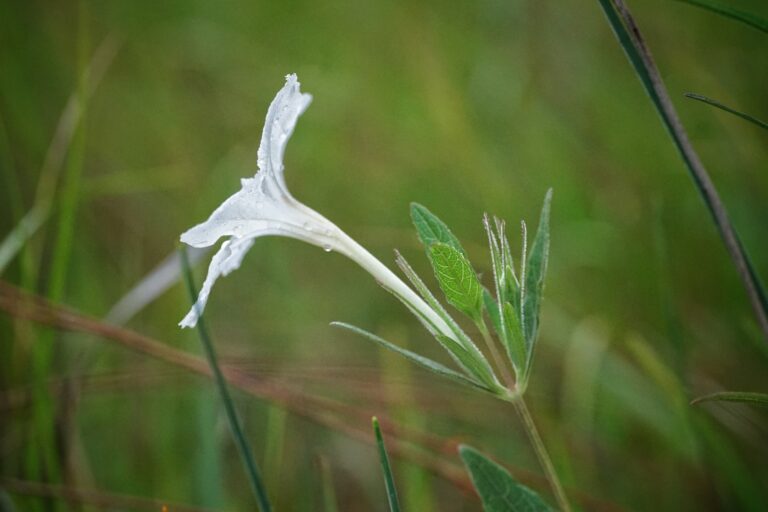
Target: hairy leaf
(536, 270)
(476, 366)
(457, 279)
(431, 229)
(514, 342)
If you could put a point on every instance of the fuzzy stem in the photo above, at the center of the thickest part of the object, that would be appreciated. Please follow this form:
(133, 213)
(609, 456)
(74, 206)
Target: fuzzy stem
(542, 454)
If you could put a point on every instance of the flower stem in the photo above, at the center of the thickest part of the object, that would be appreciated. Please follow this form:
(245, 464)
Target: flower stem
(542, 454)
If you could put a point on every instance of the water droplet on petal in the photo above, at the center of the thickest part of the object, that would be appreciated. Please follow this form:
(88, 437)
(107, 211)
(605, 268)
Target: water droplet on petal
(327, 248)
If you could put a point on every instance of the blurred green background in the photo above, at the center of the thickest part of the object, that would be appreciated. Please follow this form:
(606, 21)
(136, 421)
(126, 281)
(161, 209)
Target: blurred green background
(465, 107)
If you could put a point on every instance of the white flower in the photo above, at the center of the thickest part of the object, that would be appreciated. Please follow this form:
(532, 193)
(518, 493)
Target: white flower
(264, 206)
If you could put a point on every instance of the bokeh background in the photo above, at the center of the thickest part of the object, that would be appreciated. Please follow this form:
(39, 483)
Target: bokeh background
(124, 123)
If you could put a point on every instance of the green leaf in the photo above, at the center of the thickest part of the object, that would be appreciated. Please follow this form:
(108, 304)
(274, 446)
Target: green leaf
(457, 279)
(536, 269)
(730, 12)
(432, 230)
(717, 104)
(422, 361)
(498, 490)
(493, 310)
(413, 277)
(389, 481)
(746, 397)
(475, 366)
(514, 342)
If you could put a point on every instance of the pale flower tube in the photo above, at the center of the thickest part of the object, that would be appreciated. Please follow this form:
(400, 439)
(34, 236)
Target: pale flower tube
(264, 206)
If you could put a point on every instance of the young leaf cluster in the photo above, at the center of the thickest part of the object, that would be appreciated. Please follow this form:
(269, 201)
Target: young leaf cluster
(512, 308)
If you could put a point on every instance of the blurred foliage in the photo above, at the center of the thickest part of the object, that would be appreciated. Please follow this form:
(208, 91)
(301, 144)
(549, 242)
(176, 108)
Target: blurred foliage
(473, 108)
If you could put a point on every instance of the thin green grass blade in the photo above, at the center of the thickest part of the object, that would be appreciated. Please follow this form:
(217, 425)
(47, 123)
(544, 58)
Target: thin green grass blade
(389, 481)
(498, 490)
(243, 446)
(330, 502)
(422, 361)
(628, 34)
(745, 397)
(431, 229)
(717, 104)
(731, 12)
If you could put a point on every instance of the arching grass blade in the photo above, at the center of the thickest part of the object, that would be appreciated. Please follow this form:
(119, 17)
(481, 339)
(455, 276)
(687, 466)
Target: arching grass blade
(732, 13)
(717, 104)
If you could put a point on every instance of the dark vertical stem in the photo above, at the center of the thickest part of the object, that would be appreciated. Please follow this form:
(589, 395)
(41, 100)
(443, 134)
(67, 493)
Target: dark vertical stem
(243, 446)
(628, 34)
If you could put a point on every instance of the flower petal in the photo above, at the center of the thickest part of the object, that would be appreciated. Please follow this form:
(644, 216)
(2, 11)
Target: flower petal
(282, 115)
(263, 199)
(227, 259)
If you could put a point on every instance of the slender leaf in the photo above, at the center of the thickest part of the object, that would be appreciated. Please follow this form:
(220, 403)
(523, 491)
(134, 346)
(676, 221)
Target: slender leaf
(493, 310)
(514, 342)
(498, 490)
(457, 279)
(536, 269)
(243, 446)
(717, 104)
(431, 229)
(475, 366)
(389, 480)
(422, 361)
(732, 13)
(461, 337)
(746, 397)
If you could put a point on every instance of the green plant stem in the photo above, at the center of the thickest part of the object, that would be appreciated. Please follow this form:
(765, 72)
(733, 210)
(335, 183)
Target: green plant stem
(243, 446)
(542, 454)
(495, 355)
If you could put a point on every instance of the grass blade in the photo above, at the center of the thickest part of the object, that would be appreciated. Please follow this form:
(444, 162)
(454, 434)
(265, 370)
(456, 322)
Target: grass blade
(731, 12)
(498, 490)
(241, 441)
(631, 40)
(717, 104)
(745, 397)
(389, 481)
(330, 502)
(422, 361)
(14, 242)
